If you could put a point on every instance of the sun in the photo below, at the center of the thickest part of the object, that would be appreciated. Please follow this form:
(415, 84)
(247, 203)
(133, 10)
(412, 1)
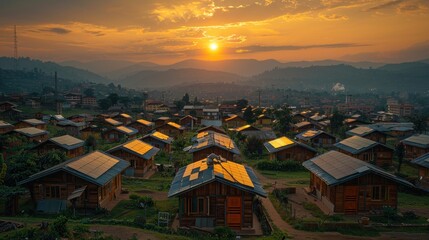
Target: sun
(213, 46)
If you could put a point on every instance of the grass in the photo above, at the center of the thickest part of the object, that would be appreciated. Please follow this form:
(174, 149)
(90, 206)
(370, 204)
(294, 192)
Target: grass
(304, 175)
(406, 200)
(158, 182)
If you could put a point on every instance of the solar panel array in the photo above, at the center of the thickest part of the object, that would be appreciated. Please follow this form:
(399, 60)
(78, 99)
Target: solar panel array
(144, 122)
(175, 125)
(280, 142)
(357, 142)
(94, 164)
(160, 135)
(361, 130)
(138, 146)
(125, 129)
(66, 140)
(30, 131)
(112, 121)
(223, 140)
(338, 165)
(125, 115)
(202, 134)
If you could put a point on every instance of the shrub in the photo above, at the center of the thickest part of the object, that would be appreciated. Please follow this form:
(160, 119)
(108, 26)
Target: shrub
(288, 165)
(148, 201)
(134, 197)
(59, 226)
(224, 233)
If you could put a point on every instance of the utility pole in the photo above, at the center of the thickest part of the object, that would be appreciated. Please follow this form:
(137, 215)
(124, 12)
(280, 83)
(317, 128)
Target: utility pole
(58, 104)
(259, 97)
(15, 50)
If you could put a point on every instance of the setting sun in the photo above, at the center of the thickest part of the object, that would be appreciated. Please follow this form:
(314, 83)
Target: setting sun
(213, 46)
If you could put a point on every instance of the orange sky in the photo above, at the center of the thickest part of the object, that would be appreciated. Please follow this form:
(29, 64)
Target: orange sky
(170, 31)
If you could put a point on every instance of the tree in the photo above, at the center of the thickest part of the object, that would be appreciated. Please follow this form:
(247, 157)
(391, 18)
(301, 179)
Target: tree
(254, 146)
(125, 100)
(104, 103)
(3, 169)
(91, 143)
(337, 121)
(113, 97)
(241, 103)
(89, 92)
(419, 121)
(248, 115)
(185, 99)
(179, 104)
(283, 119)
(20, 166)
(51, 159)
(400, 153)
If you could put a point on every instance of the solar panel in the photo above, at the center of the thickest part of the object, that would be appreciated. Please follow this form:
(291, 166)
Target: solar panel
(242, 128)
(112, 121)
(338, 165)
(202, 134)
(357, 142)
(66, 140)
(160, 135)
(280, 142)
(125, 129)
(310, 133)
(138, 146)
(175, 125)
(144, 122)
(94, 164)
(125, 115)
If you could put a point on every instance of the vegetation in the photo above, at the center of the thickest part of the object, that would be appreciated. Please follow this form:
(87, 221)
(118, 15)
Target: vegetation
(288, 165)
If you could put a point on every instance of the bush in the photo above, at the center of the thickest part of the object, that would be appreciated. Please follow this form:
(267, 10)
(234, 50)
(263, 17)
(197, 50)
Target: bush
(288, 165)
(148, 201)
(224, 233)
(59, 226)
(134, 197)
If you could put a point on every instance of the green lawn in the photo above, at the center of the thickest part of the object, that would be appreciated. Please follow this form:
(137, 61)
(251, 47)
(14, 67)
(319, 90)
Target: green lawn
(285, 175)
(158, 182)
(406, 200)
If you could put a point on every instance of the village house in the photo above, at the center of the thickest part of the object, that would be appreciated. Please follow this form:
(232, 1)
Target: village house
(143, 126)
(91, 130)
(416, 146)
(89, 102)
(188, 121)
(72, 128)
(317, 138)
(139, 154)
(398, 130)
(211, 128)
(215, 192)
(90, 181)
(12, 114)
(250, 131)
(234, 121)
(119, 133)
(211, 142)
(56, 118)
(246, 128)
(31, 123)
(32, 134)
(368, 133)
(302, 126)
(264, 120)
(154, 105)
(193, 110)
(283, 149)
(211, 117)
(171, 129)
(159, 140)
(4, 106)
(353, 122)
(299, 117)
(161, 121)
(422, 164)
(5, 127)
(366, 150)
(123, 118)
(348, 185)
(110, 122)
(71, 146)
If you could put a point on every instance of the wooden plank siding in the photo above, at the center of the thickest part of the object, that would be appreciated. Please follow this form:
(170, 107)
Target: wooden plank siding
(140, 165)
(49, 146)
(296, 153)
(203, 153)
(379, 155)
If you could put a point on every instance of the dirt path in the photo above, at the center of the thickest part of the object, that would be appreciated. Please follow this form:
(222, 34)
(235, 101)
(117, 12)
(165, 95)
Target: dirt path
(124, 232)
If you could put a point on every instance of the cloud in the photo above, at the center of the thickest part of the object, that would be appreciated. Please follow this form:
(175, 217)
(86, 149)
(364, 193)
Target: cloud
(95, 33)
(56, 30)
(332, 17)
(258, 48)
(385, 5)
(413, 7)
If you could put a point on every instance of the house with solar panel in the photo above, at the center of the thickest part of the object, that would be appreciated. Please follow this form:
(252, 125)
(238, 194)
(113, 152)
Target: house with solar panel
(119, 133)
(143, 126)
(110, 122)
(235, 121)
(5, 127)
(161, 121)
(159, 140)
(369, 133)
(123, 118)
(317, 138)
(303, 126)
(86, 182)
(422, 164)
(32, 134)
(31, 123)
(216, 192)
(348, 185)
(171, 129)
(71, 146)
(283, 148)
(416, 145)
(212, 142)
(366, 150)
(188, 121)
(139, 154)
(211, 128)
(264, 120)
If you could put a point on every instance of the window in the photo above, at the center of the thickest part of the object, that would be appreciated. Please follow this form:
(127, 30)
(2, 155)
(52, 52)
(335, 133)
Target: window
(380, 193)
(198, 205)
(52, 192)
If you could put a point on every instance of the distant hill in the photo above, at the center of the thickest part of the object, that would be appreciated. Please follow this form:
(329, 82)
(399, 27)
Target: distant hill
(392, 77)
(172, 77)
(100, 67)
(49, 68)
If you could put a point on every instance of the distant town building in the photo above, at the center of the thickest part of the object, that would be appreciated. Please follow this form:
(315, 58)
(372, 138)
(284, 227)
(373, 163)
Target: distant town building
(89, 102)
(400, 109)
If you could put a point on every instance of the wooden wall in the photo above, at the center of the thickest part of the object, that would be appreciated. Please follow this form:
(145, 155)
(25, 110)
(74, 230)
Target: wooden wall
(412, 152)
(140, 165)
(48, 146)
(296, 153)
(201, 154)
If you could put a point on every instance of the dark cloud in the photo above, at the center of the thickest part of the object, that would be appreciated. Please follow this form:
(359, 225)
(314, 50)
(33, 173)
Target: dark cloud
(56, 30)
(385, 5)
(257, 48)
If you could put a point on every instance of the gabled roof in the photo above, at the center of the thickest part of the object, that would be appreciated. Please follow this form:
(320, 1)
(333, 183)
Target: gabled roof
(317, 117)
(4, 124)
(58, 117)
(71, 123)
(360, 131)
(124, 115)
(159, 136)
(188, 116)
(145, 122)
(31, 131)
(356, 144)
(112, 121)
(214, 139)
(137, 147)
(127, 130)
(335, 168)
(33, 121)
(264, 135)
(96, 167)
(282, 143)
(302, 124)
(422, 161)
(218, 129)
(247, 128)
(310, 134)
(175, 125)
(393, 126)
(66, 141)
(418, 140)
(212, 169)
(234, 117)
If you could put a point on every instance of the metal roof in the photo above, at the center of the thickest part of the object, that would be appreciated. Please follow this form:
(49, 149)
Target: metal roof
(422, 161)
(211, 126)
(393, 126)
(159, 136)
(247, 127)
(145, 122)
(360, 131)
(175, 125)
(68, 142)
(213, 168)
(215, 139)
(31, 131)
(310, 134)
(302, 124)
(137, 147)
(113, 122)
(127, 130)
(335, 168)
(418, 140)
(96, 167)
(261, 134)
(58, 117)
(5, 124)
(33, 121)
(282, 143)
(71, 123)
(356, 144)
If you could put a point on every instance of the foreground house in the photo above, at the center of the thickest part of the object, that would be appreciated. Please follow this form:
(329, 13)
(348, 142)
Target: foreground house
(216, 192)
(366, 150)
(139, 154)
(143, 126)
(88, 182)
(369, 133)
(171, 129)
(118, 133)
(348, 185)
(317, 138)
(159, 140)
(416, 146)
(284, 148)
(71, 146)
(31, 123)
(211, 142)
(32, 134)
(422, 164)
(5, 127)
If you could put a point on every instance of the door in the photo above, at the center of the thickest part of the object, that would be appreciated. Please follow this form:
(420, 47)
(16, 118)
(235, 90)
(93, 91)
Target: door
(233, 212)
(350, 199)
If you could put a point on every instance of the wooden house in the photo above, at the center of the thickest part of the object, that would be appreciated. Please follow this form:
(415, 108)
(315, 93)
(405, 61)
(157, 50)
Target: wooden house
(299, 117)
(143, 126)
(318, 118)
(32, 134)
(123, 118)
(110, 122)
(171, 129)
(369, 133)
(416, 146)
(193, 110)
(353, 122)
(5, 127)
(119, 133)
(348, 185)
(72, 128)
(31, 123)
(161, 121)
(422, 164)
(159, 140)
(366, 150)
(264, 120)
(139, 154)
(395, 129)
(214, 192)
(317, 138)
(235, 121)
(283, 148)
(4, 106)
(91, 130)
(90, 181)
(71, 146)
(56, 119)
(303, 126)
(212, 128)
(211, 142)
(188, 122)
(246, 128)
